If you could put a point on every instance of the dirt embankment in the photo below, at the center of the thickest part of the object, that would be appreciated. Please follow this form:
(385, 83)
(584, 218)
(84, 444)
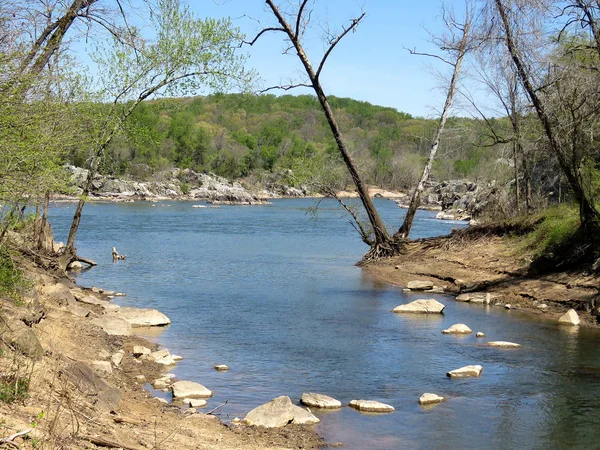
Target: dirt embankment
(80, 398)
(462, 263)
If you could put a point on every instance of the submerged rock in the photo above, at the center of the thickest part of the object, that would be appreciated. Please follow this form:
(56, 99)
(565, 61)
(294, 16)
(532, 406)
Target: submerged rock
(570, 318)
(458, 328)
(320, 401)
(279, 412)
(421, 306)
(190, 389)
(430, 399)
(371, 406)
(466, 372)
(503, 344)
(419, 285)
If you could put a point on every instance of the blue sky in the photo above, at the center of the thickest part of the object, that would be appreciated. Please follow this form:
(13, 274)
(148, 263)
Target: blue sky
(371, 64)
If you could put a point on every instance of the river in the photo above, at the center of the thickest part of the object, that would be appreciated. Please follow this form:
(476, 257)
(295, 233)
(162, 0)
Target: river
(275, 294)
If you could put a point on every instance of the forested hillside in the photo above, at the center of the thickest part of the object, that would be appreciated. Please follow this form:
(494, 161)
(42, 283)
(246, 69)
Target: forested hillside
(240, 135)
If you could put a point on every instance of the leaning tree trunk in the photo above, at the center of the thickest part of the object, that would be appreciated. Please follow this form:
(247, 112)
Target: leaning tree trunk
(587, 210)
(382, 243)
(415, 200)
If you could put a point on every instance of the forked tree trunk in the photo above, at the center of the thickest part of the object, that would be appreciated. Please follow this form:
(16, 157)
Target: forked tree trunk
(415, 200)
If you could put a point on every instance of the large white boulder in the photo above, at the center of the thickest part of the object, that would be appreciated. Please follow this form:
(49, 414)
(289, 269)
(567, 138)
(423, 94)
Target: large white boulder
(320, 401)
(419, 285)
(570, 318)
(421, 306)
(113, 325)
(371, 406)
(190, 389)
(161, 357)
(503, 344)
(458, 328)
(279, 412)
(466, 372)
(142, 317)
(430, 399)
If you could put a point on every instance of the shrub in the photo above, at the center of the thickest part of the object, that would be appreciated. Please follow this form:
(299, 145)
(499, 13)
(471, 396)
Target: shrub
(13, 388)
(12, 281)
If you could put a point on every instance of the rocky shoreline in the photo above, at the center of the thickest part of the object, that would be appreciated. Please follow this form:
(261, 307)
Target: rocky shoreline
(485, 270)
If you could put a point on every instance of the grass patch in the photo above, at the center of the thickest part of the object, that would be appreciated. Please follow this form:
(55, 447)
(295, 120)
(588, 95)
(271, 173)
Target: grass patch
(12, 280)
(558, 225)
(13, 388)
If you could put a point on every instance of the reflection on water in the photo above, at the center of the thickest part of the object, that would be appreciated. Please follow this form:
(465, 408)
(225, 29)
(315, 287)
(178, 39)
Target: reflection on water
(277, 298)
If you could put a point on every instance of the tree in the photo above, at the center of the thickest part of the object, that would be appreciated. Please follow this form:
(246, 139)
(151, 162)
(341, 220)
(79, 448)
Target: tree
(293, 25)
(561, 103)
(187, 54)
(457, 44)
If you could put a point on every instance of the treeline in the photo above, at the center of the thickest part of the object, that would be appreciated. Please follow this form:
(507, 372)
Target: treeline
(236, 135)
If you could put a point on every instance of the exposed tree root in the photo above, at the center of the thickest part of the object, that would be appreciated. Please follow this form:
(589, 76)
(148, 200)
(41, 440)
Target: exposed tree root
(393, 247)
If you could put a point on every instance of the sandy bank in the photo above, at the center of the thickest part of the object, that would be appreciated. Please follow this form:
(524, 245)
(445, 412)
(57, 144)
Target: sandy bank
(490, 264)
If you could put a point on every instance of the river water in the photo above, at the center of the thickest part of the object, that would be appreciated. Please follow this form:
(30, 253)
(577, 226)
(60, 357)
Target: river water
(276, 296)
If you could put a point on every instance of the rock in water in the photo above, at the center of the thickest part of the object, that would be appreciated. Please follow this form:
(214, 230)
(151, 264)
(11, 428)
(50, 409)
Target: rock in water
(465, 372)
(371, 406)
(570, 318)
(430, 399)
(458, 328)
(320, 401)
(195, 402)
(503, 344)
(419, 285)
(221, 367)
(480, 334)
(421, 306)
(142, 317)
(190, 389)
(279, 412)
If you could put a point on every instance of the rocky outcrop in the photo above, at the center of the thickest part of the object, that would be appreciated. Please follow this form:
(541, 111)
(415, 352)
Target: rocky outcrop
(175, 183)
(421, 306)
(371, 406)
(279, 412)
(456, 199)
(320, 401)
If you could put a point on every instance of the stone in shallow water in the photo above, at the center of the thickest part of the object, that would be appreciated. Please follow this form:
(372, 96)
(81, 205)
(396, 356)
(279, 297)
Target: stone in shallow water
(221, 367)
(421, 306)
(458, 328)
(371, 406)
(480, 334)
(143, 317)
(569, 318)
(419, 285)
(466, 372)
(430, 399)
(503, 344)
(190, 389)
(320, 401)
(194, 402)
(278, 413)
